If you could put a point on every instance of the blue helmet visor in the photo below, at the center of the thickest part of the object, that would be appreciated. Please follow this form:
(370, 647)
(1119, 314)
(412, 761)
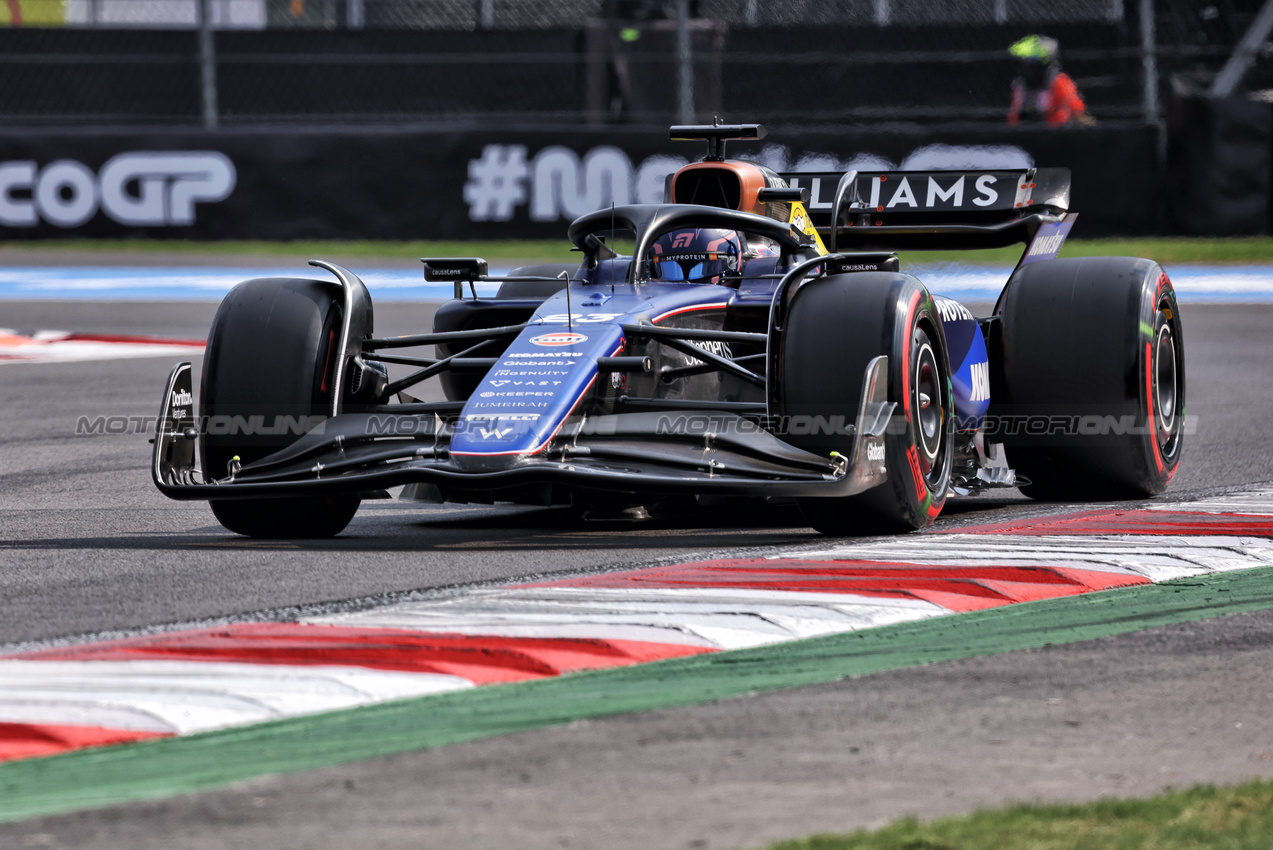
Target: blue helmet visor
(691, 267)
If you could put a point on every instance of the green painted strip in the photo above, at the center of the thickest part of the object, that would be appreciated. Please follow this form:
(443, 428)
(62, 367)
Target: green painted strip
(93, 778)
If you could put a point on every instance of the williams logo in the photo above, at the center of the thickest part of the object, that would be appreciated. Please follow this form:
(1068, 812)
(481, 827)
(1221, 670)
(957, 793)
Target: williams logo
(553, 340)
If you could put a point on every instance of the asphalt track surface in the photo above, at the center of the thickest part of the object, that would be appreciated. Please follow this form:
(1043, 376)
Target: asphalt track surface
(89, 548)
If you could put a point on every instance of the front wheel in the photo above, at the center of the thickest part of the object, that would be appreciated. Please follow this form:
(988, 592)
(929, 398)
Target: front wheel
(278, 519)
(267, 379)
(835, 326)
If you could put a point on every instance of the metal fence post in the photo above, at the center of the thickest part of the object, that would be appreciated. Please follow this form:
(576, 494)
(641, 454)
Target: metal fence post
(684, 62)
(355, 15)
(1244, 54)
(1149, 60)
(207, 65)
(882, 12)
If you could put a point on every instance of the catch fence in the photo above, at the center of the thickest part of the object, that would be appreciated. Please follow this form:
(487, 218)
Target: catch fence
(254, 62)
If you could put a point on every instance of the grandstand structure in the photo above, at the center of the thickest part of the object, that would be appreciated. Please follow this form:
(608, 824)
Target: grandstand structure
(225, 63)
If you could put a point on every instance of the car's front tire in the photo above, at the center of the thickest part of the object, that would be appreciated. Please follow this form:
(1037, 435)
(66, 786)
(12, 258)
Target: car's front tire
(834, 327)
(267, 375)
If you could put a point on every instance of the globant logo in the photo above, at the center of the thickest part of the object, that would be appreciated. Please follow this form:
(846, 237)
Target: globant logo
(138, 188)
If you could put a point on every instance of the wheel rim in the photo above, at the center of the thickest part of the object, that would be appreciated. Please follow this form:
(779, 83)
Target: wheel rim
(1167, 375)
(928, 402)
(1165, 395)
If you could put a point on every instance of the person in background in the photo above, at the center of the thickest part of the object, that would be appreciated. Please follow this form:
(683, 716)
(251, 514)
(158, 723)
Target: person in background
(1042, 91)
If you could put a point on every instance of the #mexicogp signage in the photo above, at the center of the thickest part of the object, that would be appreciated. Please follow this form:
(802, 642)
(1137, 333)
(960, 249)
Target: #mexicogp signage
(475, 185)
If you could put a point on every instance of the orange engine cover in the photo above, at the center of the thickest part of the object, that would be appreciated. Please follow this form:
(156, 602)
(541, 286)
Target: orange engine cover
(730, 185)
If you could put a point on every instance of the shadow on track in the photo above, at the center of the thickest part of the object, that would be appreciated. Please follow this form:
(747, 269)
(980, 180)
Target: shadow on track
(398, 527)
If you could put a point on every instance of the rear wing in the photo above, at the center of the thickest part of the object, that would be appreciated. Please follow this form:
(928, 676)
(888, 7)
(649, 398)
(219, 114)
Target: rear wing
(897, 210)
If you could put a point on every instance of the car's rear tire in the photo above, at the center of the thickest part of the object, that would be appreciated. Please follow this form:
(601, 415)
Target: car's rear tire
(269, 366)
(1091, 396)
(834, 327)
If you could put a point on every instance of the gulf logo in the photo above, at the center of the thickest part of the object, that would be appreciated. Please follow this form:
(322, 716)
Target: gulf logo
(553, 340)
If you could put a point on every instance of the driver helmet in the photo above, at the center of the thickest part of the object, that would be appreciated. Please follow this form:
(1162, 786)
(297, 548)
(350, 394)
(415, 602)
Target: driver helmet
(1036, 56)
(696, 255)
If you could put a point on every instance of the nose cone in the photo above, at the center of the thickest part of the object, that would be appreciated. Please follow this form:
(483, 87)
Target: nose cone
(535, 385)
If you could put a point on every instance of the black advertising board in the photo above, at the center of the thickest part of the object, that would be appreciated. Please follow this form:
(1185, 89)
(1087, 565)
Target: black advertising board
(1218, 155)
(393, 183)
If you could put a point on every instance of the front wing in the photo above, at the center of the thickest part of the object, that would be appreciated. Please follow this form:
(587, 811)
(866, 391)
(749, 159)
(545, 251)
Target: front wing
(696, 452)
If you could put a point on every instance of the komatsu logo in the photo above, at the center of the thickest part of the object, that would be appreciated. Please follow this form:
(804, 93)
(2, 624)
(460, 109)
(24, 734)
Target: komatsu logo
(138, 188)
(544, 354)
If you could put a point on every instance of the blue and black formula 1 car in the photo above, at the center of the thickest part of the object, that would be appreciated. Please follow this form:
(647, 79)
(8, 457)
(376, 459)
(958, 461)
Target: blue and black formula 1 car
(738, 340)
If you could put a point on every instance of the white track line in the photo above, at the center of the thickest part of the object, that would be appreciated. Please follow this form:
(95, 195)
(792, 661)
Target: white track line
(185, 696)
(1155, 557)
(1259, 502)
(193, 696)
(723, 618)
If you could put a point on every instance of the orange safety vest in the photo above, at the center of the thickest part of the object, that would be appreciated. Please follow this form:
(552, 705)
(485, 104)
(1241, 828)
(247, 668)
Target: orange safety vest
(1058, 103)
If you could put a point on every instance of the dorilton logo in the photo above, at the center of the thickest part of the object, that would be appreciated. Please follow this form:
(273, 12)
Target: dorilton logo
(181, 398)
(553, 340)
(139, 189)
(1047, 245)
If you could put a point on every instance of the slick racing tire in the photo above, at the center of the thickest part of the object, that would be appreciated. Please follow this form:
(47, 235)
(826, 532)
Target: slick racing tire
(267, 373)
(835, 326)
(1091, 398)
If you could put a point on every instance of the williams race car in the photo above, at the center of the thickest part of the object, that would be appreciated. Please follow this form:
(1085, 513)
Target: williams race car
(753, 336)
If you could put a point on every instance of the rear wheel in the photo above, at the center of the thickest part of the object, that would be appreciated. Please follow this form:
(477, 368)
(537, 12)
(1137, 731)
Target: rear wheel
(1092, 397)
(267, 378)
(834, 328)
